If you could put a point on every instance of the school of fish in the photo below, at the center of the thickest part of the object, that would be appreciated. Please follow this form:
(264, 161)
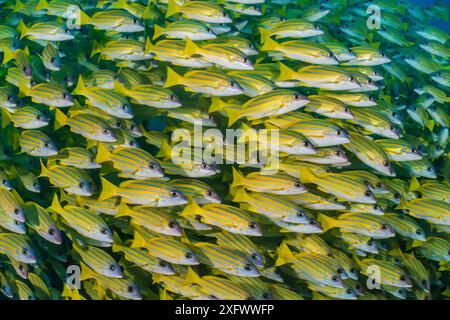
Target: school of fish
(93, 205)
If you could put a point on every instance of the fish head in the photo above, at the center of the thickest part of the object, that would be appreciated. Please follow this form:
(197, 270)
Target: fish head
(163, 267)
(53, 234)
(173, 198)
(25, 254)
(210, 196)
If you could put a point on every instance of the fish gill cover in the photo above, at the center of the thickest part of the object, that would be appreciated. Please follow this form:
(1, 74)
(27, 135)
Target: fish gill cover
(230, 149)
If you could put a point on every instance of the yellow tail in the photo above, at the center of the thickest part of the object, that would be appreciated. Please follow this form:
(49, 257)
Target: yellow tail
(172, 8)
(108, 190)
(286, 73)
(326, 222)
(157, 32)
(80, 89)
(190, 48)
(60, 119)
(103, 153)
(172, 78)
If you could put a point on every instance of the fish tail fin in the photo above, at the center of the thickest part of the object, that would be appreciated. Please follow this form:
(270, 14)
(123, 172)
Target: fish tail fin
(326, 222)
(84, 18)
(123, 210)
(416, 243)
(103, 153)
(8, 55)
(241, 195)
(191, 209)
(238, 178)
(306, 176)
(172, 8)
(121, 4)
(42, 4)
(108, 190)
(403, 203)
(19, 6)
(157, 31)
(396, 252)
(233, 116)
(190, 48)
(22, 28)
(165, 151)
(284, 254)
(86, 272)
(117, 244)
(80, 89)
(23, 90)
(191, 276)
(60, 119)
(414, 185)
(265, 34)
(138, 241)
(56, 205)
(6, 118)
(286, 73)
(70, 293)
(172, 78)
(149, 46)
(44, 171)
(118, 86)
(217, 104)
(269, 44)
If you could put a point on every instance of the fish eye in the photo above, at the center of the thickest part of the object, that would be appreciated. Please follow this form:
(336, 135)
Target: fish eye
(224, 14)
(352, 270)
(51, 231)
(245, 60)
(384, 227)
(24, 69)
(46, 144)
(188, 255)
(339, 132)
(397, 195)
(316, 27)
(430, 169)
(124, 107)
(233, 83)
(403, 277)
(252, 225)
(330, 54)
(152, 165)
(163, 264)
(33, 83)
(52, 60)
(251, 46)
(266, 295)
(103, 230)
(106, 131)
(17, 223)
(132, 143)
(172, 224)
(368, 193)
(346, 110)
(248, 267)
(419, 232)
(379, 184)
(204, 166)
(348, 291)
(296, 96)
(298, 185)
(81, 185)
(307, 144)
(172, 97)
(340, 271)
(339, 153)
(208, 30)
(39, 117)
(254, 256)
(334, 278)
(130, 289)
(386, 163)
(300, 214)
(413, 150)
(209, 193)
(66, 30)
(438, 148)
(135, 21)
(376, 207)
(25, 252)
(173, 194)
(112, 267)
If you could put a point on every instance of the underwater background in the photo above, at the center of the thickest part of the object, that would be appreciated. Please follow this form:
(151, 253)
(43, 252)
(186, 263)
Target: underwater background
(229, 149)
